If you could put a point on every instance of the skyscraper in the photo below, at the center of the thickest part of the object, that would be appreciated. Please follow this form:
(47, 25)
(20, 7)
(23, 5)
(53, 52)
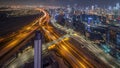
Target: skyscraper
(37, 50)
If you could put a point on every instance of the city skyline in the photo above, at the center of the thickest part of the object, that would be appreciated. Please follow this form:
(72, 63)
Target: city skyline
(59, 34)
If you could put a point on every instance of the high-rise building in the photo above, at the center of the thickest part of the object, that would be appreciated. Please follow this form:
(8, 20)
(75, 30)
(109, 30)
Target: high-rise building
(92, 7)
(117, 5)
(37, 50)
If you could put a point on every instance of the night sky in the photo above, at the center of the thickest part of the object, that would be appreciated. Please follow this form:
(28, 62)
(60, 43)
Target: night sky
(62, 2)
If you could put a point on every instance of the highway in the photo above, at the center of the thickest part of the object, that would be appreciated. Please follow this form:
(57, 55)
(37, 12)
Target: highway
(24, 57)
(19, 37)
(106, 58)
(69, 48)
(75, 56)
(51, 34)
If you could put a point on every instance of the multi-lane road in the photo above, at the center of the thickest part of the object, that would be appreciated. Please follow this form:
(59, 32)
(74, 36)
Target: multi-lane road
(19, 39)
(70, 49)
(106, 58)
(76, 56)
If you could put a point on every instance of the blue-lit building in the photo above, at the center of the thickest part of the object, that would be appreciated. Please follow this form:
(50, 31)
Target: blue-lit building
(118, 40)
(106, 48)
(113, 36)
(60, 18)
(95, 33)
(94, 19)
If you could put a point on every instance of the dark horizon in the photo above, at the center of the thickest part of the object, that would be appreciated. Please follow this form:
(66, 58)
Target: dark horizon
(83, 3)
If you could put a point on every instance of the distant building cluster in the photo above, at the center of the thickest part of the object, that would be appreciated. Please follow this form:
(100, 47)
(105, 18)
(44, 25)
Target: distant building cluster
(101, 25)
